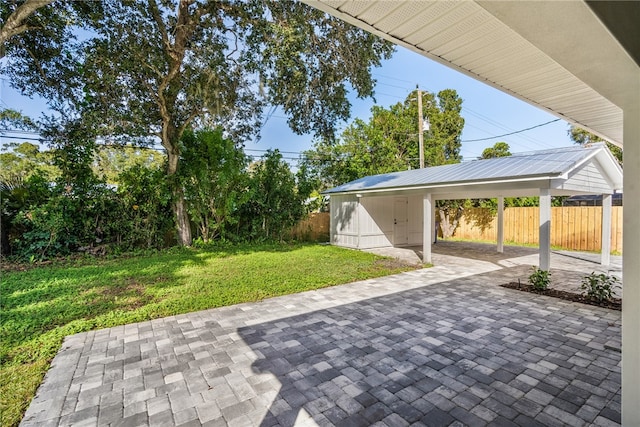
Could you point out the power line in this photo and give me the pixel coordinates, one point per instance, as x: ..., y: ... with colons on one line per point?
x: 504, y: 128
x: 511, y: 133
x: 28, y: 132
x: 22, y: 138
x: 388, y: 94
x: 298, y: 153
x: 391, y: 78
x: 478, y: 115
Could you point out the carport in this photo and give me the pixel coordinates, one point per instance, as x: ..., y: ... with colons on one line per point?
x: 398, y: 209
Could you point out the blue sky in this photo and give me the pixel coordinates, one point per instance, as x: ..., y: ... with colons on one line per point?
x: 487, y: 111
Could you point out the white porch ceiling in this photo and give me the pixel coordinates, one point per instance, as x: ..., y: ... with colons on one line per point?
x: 582, y: 75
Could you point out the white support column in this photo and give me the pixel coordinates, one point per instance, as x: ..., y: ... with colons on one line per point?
x: 358, y: 215
x: 436, y: 219
x: 605, y: 248
x: 545, y: 229
x: 631, y: 265
x: 500, y: 224
x: 427, y: 227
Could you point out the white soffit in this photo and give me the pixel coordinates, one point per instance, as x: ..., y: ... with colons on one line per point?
x: 464, y: 35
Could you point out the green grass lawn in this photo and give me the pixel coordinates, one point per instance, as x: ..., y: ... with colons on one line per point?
x: 40, y: 306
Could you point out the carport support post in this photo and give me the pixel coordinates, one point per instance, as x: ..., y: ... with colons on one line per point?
x: 500, y: 224
x: 427, y: 233
x: 605, y: 248
x: 358, y: 215
x: 545, y: 229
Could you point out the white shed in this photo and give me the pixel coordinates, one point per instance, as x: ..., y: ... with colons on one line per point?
x: 392, y: 209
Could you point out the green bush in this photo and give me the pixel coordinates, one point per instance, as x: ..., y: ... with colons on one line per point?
x: 599, y: 287
x: 60, y: 219
x: 540, y: 279
x: 275, y: 204
x: 69, y: 219
x: 15, y: 196
x: 144, y: 217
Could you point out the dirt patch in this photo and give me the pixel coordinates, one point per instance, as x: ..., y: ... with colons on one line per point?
x: 394, y: 263
x: 130, y: 296
x: 132, y: 288
x: 613, y: 304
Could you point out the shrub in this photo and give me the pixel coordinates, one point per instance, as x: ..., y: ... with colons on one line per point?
x: 599, y: 287
x: 71, y: 218
x: 145, y: 210
x: 540, y: 279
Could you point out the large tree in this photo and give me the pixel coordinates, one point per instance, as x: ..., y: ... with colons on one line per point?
x: 583, y: 137
x: 388, y: 142
x: 149, y: 69
x: 499, y: 149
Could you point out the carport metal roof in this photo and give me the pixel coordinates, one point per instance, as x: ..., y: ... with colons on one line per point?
x: 564, y: 171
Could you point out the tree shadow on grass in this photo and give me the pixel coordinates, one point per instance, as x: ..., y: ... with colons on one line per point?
x: 39, y: 300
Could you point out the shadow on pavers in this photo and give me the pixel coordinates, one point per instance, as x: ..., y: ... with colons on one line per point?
x: 434, y: 355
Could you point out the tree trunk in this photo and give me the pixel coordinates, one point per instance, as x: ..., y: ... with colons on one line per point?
x: 183, y: 225
x: 448, y: 225
x: 182, y: 218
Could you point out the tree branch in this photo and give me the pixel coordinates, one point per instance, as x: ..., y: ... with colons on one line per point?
x: 36, y: 62
x: 15, y: 24
x: 155, y: 13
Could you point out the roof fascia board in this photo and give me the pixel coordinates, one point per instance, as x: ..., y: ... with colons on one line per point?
x: 529, y: 182
x: 605, y: 171
x: 606, y: 164
x: 610, y: 168
x: 581, y: 163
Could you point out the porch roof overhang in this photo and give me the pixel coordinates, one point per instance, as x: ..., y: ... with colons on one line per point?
x: 518, y: 175
x: 559, y: 56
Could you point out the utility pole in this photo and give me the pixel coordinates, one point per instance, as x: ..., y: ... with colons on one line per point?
x: 420, y: 130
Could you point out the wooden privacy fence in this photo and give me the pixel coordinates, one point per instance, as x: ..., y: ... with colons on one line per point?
x: 314, y: 228
x: 572, y: 227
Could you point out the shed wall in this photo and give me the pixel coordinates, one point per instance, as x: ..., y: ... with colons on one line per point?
x: 344, y: 221
x: 416, y: 217
x: 368, y: 222
x: 376, y: 227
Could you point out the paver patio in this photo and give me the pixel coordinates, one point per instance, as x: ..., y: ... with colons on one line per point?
x: 438, y: 346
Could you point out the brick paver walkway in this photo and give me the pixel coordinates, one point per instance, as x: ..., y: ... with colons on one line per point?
x: 439, y: 346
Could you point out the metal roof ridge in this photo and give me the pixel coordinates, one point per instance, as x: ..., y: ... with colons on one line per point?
x: 549, y: 162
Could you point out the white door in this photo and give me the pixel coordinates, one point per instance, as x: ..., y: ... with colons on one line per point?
x: 400, y: 220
